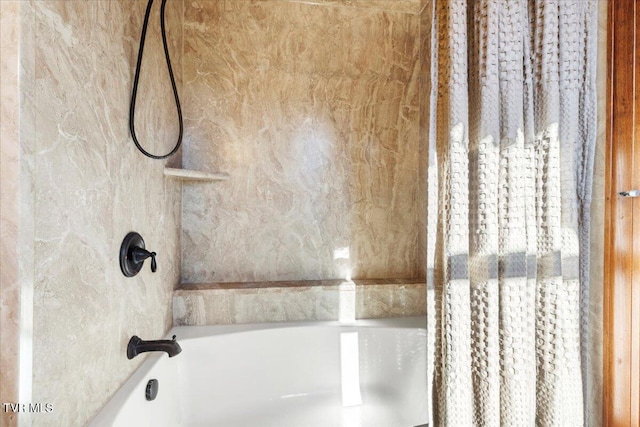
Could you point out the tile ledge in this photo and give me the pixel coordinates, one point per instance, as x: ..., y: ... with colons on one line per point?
x: 295, y: 284
x: 192, y: 175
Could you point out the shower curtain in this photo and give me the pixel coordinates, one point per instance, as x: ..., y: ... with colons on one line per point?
x: 513, y: 113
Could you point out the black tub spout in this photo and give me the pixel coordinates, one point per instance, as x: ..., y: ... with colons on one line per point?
x: 137, y: 346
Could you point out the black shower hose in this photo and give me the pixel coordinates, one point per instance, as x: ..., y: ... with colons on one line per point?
x: 132, y: 109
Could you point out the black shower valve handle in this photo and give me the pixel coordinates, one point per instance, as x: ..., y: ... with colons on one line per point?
x: 133, y: 254
x: 140, y: 254
x: 154, y: 265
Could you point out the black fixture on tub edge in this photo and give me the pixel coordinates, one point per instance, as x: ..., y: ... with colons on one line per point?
x: 137, y: 346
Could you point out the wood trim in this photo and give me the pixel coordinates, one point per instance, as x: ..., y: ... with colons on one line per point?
x: 621, y: 393
x: 635, y: 235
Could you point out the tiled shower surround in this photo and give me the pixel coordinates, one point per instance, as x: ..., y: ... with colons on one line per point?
x: 317, y: 110
x: 76, y: 186
x: 9, y: 208
x: 313, y: 108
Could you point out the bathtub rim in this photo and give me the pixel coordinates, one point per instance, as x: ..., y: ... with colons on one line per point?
x: 189, y: 332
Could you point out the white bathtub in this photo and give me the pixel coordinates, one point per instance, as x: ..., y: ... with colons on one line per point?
x: 311, y: 374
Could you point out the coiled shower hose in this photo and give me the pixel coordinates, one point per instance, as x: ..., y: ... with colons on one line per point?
x: 132, y: 109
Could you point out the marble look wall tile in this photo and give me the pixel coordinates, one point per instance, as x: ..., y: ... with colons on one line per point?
x: 211, y: 304
x: 406, y: 6
x: 9, y: 207
x: 203, y: 308
x: 390, y: 300
x: 91, y: 188
x: 275, y: 305
x: 262, y: 285
x: 9, y: 175
x: 255, y: 305
x: 313, y: 111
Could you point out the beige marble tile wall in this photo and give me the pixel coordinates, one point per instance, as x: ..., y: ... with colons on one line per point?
x: 90, y: 188
x: 9, y: 207
x: 231, y: 303
x: 407, y: 6
x: 313, y: 109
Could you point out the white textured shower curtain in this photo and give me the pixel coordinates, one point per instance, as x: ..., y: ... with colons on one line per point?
x: 511, y: 156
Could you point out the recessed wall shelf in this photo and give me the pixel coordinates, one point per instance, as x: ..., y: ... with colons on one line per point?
x: 191, y: 175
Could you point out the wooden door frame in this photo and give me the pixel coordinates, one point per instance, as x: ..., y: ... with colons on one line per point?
x: 621, y: 343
